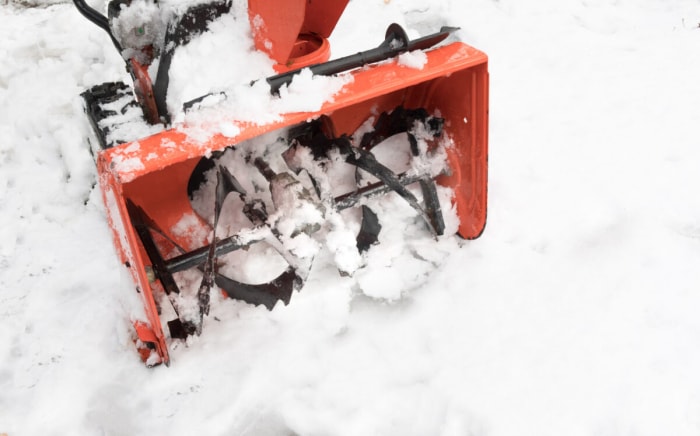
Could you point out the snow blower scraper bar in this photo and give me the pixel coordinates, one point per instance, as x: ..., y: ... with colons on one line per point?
x: 186, y: 214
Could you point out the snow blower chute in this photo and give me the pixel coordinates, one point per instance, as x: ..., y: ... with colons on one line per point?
x: 166, y: 192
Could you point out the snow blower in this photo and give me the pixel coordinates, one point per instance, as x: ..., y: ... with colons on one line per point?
x: 285, y: 180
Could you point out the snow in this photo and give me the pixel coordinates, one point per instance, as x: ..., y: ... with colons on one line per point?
x: 415, y: 59
x: 575, y: 313
x: 138, y: 27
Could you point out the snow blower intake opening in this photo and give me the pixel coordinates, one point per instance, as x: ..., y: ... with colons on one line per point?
x: 277, y: 199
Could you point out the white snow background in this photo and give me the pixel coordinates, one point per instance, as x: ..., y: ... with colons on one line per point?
x: 575, y: 313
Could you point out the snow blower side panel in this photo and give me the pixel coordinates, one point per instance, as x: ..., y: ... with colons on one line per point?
x: 145, y: 183
x: 151, y: 342
x: 466, y: 115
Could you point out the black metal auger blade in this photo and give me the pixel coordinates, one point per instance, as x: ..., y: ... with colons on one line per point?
x: 432, y: 209
x: 225, y: 184
x: 365, y: 160
x: 142, y: 225
x: 403, y: 120
x: 369, y: 229
x: 318, y: 137
x: 397, y: 121
x: 431, y: 201
x: 199, y: 173
x: 267, y: 294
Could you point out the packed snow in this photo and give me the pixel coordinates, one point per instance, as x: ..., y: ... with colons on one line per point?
x: 575, y: 313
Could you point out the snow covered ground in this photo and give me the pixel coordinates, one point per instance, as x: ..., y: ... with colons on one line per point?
x: 576, y: 312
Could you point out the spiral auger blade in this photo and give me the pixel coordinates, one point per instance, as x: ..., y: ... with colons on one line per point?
x: 318, y: 136
x: 289, y: 195
x: 269, y: 293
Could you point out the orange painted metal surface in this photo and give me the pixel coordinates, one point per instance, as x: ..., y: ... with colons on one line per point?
x: 308, y: 49
x: 154, y: 173
x: 294, y: 32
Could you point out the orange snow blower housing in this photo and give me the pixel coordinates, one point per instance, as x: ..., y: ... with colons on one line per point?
x: 148, y: 184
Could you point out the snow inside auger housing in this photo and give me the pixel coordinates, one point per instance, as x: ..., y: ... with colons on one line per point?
x: 186, y: 209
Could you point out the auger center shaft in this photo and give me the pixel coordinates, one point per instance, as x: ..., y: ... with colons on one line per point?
x: 236, y: 242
